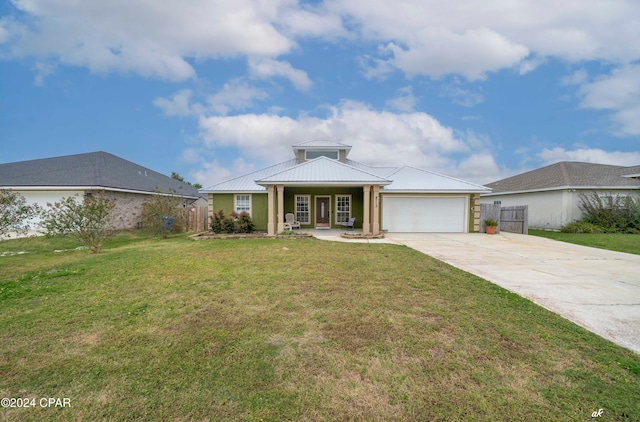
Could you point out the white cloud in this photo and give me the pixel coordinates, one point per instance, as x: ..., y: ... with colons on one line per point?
x: 42, y: 70
x: 578, y: 77
x: 405, y: 101
x: 178, y: 105
x: 461, y: 96
x: 377, y: 137
x: 591, y: 155
x: 264, y: 68
x: 235, y: 95
x: 618, y: 92
x: 419, y: 37
x: 214, y: 172
x: 149, y: 38
x: 472, y: 53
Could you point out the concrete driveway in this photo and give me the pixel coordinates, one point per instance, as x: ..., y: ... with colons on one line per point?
x: 597, y: 289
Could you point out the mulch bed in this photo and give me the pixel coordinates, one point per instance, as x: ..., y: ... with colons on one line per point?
x: 209, y: 235
x: 361, y: 236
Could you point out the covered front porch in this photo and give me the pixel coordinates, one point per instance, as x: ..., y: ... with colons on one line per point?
x: 324, y: 207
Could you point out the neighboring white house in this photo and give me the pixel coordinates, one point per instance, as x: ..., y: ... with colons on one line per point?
x: 552, y: 193
x: 48, y: 180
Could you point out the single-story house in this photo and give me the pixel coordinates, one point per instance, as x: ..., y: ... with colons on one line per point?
x: 323, y: 188
x: 552, y: 193
x: 128, y: 184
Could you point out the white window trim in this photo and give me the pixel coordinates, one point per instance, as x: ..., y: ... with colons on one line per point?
x: 295, y: 211
x: 235, y: 202
x: 350, y: 206
x: 328, y: 151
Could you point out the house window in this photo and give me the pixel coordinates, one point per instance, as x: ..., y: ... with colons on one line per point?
x: 243, y: 203
x: 343, y: 208
x: 310, y: 155
x: 302, y: 209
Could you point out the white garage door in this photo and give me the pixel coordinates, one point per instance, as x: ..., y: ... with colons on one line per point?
x: 424, y: 214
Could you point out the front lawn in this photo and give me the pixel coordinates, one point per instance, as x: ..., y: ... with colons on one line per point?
x: 620, y: 242
x: 288, y: 329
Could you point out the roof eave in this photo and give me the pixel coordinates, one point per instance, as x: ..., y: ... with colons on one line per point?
x: 559, y: 188
x: 321, y: 183
x: 105, y: 188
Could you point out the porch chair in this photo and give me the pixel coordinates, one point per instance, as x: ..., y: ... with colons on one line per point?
x: 290, y: 222
x: 348, y: 224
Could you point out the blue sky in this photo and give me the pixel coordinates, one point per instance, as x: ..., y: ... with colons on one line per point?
x: 216, y: 88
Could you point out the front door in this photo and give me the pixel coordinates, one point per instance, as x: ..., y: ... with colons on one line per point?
x: 323, y: 211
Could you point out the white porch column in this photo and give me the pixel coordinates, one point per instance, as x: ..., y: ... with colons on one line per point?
x: 376, y: 210
x: 280, y: 208
x: 271, y: 227
x: 366, y: 209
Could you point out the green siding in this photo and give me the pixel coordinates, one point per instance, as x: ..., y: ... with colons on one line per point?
x: 260, y: 209
x: 356, y: 202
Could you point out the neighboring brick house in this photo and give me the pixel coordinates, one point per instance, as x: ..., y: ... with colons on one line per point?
x: 48, y: 180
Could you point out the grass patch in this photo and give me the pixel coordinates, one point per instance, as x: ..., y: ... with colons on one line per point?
x: 281, y: 329
x: 619, y: 242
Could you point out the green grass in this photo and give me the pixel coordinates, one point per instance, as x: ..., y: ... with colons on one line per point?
x: 288, y: 329
x: 619, y: 242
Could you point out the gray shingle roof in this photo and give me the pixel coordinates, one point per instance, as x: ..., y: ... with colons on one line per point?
x: 95, y: 170
x: 569, y: 174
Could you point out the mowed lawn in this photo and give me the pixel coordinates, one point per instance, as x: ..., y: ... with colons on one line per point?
x: 619, y: 242
x: 288, y: 329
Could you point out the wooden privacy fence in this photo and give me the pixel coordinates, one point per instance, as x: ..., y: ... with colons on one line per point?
x: 197, y: 219
x: 515, y: 219
x: 510, y: 219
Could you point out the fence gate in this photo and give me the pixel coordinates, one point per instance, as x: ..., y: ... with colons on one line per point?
x: 515, y: 219
x: 197, y: 219
x: 510, y: 219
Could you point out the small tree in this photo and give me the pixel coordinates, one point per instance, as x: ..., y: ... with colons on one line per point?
x: 15, y: 214
x: 86, y: 220
x: 163, y: 214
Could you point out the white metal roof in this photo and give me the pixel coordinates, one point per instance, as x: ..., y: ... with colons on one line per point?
x: 411, y: 179
x: 247, y: 182
x: 321, y: 145
x: 323, y: 171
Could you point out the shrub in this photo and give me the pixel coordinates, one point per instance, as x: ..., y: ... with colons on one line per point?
x: 15, y: 213
x: 581, y: 227
x: 489, y: 222
x: 159, y: 210
x: 216, y: 221
x: 613, y: 213
x: 233, y: 223
x: 86, y: 220
x: 245, y: 223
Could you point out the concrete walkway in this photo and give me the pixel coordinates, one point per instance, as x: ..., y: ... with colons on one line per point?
x: 595, y: 288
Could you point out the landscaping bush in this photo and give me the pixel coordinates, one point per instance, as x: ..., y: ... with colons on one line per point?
x: 233, y: 223
x: 216, y: 221
x: 612, y: 213
x: 245, y: 223
x: 581, y: 227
